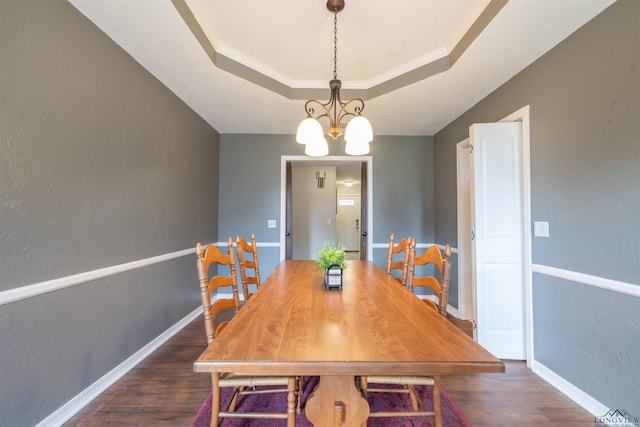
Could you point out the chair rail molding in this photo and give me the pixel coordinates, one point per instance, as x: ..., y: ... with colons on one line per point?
x: 587, y: 279
x: 28, y: 291
x: 418, y: 245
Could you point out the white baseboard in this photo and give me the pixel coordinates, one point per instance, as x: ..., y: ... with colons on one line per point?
x: 590, y: 404
x: 73, y: 406
x: 453, y: 311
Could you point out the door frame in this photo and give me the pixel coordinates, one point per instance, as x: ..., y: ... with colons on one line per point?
x: 466, y: 294
x: 366, y: 197
x: 521, y: 115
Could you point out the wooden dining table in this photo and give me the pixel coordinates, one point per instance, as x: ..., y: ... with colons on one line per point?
x: 293, y: 325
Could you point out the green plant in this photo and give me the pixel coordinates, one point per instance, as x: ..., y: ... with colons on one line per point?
x: 331, y: 254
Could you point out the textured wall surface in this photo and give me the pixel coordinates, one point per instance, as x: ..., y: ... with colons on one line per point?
x: 403, y: 184
x: 611, y: 347
x: 584, y: 98
x: 100, y: 165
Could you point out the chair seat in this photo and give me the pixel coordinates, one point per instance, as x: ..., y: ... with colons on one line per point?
x: 399, y: 380
x: 232, y: 379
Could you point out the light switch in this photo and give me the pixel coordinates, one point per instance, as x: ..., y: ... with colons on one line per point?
x: 541, y: 228
x: 328, y: 221
x: 271, y: 223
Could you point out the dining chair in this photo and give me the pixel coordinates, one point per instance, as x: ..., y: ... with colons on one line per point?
x: 248, y: 260
x: 407, y: 383
x: 241, y: 384
x: 398, y: 260
x: 209, y: 286
x: 439, y: 285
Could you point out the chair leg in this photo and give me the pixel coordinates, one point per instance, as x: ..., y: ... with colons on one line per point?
x: 435, y: 400
x: 363, y: 386
x: 234, y: 399
x: 215, y: 399
x: 299, y: 392
x: 291, y: 401
x: 414, y: 398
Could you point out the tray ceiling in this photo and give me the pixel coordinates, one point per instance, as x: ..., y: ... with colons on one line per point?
x: 246, y: 66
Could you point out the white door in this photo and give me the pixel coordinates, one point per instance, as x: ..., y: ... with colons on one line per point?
x: 497, y: 249
x: 348, y: 222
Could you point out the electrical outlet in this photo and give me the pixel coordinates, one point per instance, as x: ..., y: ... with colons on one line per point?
x: 541, y: 228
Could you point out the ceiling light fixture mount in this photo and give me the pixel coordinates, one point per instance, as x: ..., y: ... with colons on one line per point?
x: 358, y: 133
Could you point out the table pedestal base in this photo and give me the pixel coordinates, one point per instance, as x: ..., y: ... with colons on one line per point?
x: 337, y: 402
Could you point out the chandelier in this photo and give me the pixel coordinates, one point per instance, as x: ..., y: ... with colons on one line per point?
x: 358, y: 133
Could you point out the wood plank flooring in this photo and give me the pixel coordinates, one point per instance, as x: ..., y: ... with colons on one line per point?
x: 163, y: 390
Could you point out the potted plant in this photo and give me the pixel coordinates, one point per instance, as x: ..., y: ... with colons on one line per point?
x: 331, y: 259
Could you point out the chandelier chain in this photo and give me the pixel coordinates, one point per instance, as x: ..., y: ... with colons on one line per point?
x: 358, y: 132
x: 335, y: 43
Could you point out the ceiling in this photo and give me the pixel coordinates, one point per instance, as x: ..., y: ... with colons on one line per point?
x: 247, y: 66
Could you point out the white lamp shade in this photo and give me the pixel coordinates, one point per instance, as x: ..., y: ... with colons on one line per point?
x: 308, y: 130
x: 356, y: 148
x: 317, y: 147
x: 358, y: 135
x: 358, y: 130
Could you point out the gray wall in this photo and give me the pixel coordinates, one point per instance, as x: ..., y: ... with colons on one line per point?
x: 313, y: 209
x: 585, y: 173
x: 100, y: 165
x: 250, y: 183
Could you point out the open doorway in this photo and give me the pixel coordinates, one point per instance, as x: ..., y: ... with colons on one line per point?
x: 306, y: 219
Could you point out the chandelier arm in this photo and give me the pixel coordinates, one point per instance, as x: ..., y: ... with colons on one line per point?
x: 308, y: 107
x: 353, y: 108
x: 356, y: 103
x: 327, y: 107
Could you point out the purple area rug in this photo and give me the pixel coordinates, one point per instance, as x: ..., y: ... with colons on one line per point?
x: 451, y: 415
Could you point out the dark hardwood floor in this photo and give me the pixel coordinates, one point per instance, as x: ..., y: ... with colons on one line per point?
x: 163, y: 390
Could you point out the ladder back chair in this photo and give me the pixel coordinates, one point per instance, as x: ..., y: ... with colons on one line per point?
x: 440, y: 287
x: 208, y: 286
x: 398, y: 260
x: 248, y: 260
x: 408, y: 383
x: 241, y: 384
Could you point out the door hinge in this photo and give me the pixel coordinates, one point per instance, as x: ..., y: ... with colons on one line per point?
x: 473, y: 235
x: 470, y: 148
x: 475, y: 325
